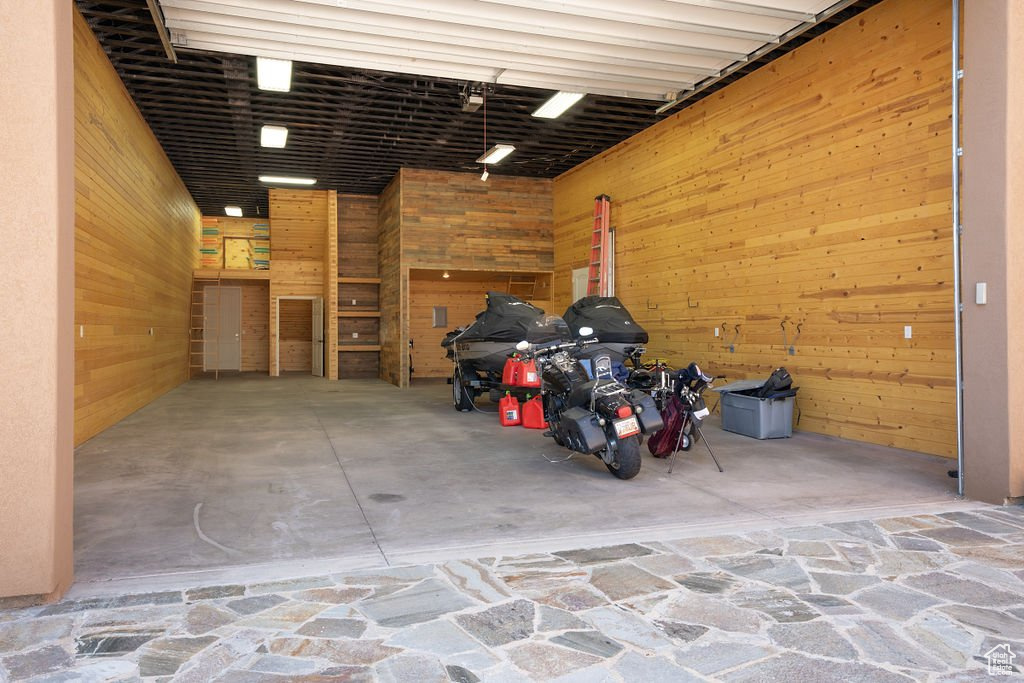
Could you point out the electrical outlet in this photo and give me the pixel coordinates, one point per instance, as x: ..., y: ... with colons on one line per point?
x: 353, y: 302
x: 355, y: 335
x: 716, y: 331
x: 908, y: 332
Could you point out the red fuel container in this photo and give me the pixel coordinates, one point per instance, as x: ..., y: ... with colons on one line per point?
x: 528, y: 375
x: 533, y: 414
x: 510, y: 373
x: 508, y: 411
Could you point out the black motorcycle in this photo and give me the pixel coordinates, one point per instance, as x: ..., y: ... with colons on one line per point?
x: 598, y: 414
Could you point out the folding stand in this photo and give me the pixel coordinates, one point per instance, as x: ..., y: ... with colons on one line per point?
x: 679, y: 440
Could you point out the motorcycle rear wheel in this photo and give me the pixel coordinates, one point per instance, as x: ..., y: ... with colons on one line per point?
x: 627, y: 459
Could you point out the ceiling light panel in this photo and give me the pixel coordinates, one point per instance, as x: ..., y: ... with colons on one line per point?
x: 496, y: 154
x: 274, y: 74
x: 286, y: 180
x: 235, y: 211
x: 558, y: 104
x: 273, y: 136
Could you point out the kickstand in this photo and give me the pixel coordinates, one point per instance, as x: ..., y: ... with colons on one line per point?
x: 706, y: 445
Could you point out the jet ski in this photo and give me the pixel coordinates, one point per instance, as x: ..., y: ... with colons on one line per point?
x: 483, y: 346
x: 618, y: 334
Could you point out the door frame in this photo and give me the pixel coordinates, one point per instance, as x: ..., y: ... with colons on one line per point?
x: 206, y: 341
x: 277, y: 327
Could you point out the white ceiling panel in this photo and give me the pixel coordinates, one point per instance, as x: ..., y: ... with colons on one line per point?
x: 645, y: 49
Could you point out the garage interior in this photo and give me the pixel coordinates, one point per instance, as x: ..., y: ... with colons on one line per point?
x: 270, y: 388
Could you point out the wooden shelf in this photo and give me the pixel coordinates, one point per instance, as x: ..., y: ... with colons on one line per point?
x: 345, y: 348
x: 230, y: 274
x: 359, y: 280
x: 358, y: 314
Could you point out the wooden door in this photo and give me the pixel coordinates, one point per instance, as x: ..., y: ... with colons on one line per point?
x: 222, y: 322
x: 318, y: 337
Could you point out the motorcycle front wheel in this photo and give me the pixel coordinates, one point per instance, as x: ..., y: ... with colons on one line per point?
x: 627, y: 459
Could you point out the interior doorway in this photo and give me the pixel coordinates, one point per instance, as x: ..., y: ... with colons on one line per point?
x: 222, y: 328
x: 299, y: 329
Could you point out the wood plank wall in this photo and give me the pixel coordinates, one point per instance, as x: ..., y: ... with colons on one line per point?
x: 357, y: 235
x: 299, y: 225
x: 255, y: 327
x: 814, y: 192
x: 394, y: 283
x: 463, y: 299
x: 456, y: 220
x: 330, y: 288
x: 437, y: 219
x: 136, y: 244
x: 357, y: 257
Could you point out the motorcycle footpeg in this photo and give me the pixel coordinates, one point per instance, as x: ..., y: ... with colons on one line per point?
x: 549, y: 432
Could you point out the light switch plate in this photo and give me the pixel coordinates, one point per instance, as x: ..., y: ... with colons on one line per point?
x: 908, y: 332
x: 716, y: 331
x: 981, y: 293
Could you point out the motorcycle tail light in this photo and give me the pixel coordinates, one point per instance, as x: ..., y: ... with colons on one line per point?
x: 624, y: 411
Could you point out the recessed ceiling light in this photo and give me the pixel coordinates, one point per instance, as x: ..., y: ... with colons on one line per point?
x: 558, y: 104
x: 235, y: 211
x: 496, y: 154
x: 274, y: 74
x: 286, y: 180
x: 273, y: 136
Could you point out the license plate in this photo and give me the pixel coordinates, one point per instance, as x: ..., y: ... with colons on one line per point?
x: 701, y: 414
x: 626, y: 427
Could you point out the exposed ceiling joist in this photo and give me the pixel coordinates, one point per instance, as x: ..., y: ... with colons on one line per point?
x: 353, y: 126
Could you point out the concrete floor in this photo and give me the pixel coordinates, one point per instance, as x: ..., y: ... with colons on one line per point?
x: 265, y: 472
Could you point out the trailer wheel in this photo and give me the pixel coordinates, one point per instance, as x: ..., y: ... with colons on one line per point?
x: 461, y: 398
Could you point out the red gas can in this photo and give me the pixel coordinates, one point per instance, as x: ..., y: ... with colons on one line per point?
x: 510, y: 374
x: 508, y: 411
x: 528, y: 375
x: 533, y: 414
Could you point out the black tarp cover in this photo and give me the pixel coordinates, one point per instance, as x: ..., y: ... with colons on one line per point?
x: 609, y: 319
x: 508, y: 318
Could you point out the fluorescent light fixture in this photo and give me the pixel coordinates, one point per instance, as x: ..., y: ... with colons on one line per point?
x: 273, y: 136
x: 496, y: 154
x: 286, y: 180
x: 558, y: 104
x: 483, y: 176
x: 235, y: 211
x: 274, y: 74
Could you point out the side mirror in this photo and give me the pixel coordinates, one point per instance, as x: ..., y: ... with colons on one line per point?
x: 523, y: 346
x: 586, y: 331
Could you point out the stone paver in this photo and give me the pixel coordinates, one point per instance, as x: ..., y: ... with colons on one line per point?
x: 900, y: 599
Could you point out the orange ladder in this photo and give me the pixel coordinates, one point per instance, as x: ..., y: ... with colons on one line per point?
x: 598, y: 281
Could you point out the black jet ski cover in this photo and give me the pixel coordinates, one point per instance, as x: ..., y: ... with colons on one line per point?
x: 510, y: 319
x: 609, y: 319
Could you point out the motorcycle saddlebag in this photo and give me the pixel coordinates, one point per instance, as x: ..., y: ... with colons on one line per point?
x: 581, y: 431
x: 650, y: 419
